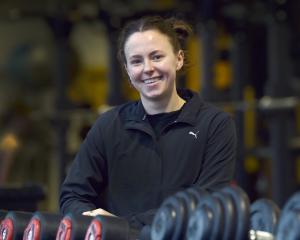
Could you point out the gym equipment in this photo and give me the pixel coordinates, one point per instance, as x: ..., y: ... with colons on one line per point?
x: 222, y: 215
x: 289, y: 226
x: 264, y: 219
x: 264, y: 216
x: 228, y: 215
x: 241, y: 206
x: 13, y: 225
x: 73, y: 227
x: 171, y: 219
x: 293, y: 203
x: 196, y: 194
x: 289, y: 222
x: 42, y: 226
x: 110, y: 228
x: 206, y: 222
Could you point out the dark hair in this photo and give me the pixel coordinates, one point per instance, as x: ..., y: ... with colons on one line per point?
x: 177, y: 31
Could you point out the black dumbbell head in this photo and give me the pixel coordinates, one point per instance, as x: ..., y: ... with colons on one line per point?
x: 264, y: 215
x: 42, y: 226
x: 289, y: 225
x: 109, y: 228
x: 199, y: 224
x: 73, y: 227
x: 197, y: 193
x: 189, y: 202
x: 94, y: 231
x: 229, y: 215
x: 13, y: 225
x: 206, y: 221
x: 169, y: 220
x: 241, y: 205
x: 292, y: 203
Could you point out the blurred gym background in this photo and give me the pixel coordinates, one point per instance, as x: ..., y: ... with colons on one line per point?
x: 59, y: 71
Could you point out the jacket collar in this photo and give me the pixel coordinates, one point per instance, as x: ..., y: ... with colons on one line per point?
x: 191, y: 108
x: 189, y: 112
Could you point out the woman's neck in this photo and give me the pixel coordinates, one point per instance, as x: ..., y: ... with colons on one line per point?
x: 170, y: 104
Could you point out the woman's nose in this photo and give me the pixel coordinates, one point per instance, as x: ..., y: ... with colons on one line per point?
x: 148, y: 66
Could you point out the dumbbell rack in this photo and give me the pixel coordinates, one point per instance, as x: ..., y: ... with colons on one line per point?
x: 192, y: 214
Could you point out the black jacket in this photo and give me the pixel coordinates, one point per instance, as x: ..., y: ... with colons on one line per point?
x: 124, y: 168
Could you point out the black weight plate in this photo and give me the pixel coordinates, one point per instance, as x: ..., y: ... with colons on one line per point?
x: 114, y: 228
x: 73, y: 227
x: 168, y: 221
x: 163, y: 223
x: 289, y: 225
x: 264, y: 215
x: 206, y: 222
x: 19, y: 221
x: 189, y: 202
x: 292, y: 203
x: 64, y: 230
x: 33, y: 230
x: 94, y: 230
x: 49, y: 223
x: 189, y: 207
x: 242, y: 210
x: 6, y: 229
x: 200, y: 224
x: 229, y: 216
x: 198, y: 193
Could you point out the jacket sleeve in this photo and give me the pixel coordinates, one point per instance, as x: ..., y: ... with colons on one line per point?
x: 220, y: 153
x: 86, y: 177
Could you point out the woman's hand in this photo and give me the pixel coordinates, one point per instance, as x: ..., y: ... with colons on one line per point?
x: 98, y: 211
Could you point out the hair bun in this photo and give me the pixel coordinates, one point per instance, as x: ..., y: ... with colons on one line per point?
x: 182, y: 30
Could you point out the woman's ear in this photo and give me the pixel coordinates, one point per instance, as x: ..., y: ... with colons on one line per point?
x: 129, y: 77
x: 125, y: 67
x: 180, y: 60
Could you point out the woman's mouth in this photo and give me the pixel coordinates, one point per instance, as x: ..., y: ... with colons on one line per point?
x: 152, y: 80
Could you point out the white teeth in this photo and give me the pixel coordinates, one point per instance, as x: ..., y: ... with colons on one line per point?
x: 152, y: 80
x: 149, y: 81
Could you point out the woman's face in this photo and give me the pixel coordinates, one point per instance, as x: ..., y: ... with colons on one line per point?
x: 152, y: 64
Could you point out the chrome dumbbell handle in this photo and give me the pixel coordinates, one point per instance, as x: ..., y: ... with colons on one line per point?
x: 260, y: 235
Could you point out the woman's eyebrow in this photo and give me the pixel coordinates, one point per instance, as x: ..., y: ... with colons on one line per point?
x: 134, y: 56
x: 155, y: 52
x: 139, y: 55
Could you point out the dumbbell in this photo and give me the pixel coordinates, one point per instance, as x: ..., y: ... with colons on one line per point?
x: 264, y: 219
x: 271, y: 226
x: 227, y: 215
x: 206, y: 221
x: 222, y: 215
x: 13, y: 225
x: 73, y: 227
x: 289, y: 223
x: 110, y: 228
x: 170, y: 221
x: 42, y: 226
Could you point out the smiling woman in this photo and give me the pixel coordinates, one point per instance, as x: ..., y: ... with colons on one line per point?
x: 151, y: 64
x: 139, y: 153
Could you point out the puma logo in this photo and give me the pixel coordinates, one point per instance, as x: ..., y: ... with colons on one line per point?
x: 194, y: 134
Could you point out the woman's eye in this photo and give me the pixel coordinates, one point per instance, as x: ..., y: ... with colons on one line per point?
x: 157, y: 57
x: 135, y: 62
